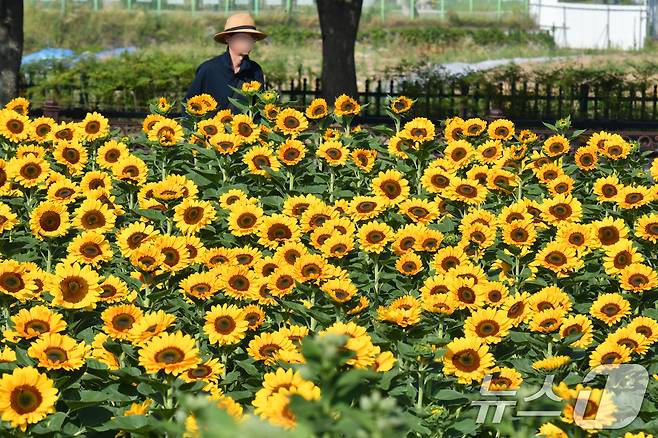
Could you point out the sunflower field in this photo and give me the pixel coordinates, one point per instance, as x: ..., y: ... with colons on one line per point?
x: 284, y: 271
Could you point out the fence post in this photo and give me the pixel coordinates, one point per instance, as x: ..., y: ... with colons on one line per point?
x: 193, y: 6
x: 95, y: 5
x: 499, y: 9
x: 412, y: 8
x: 158, y: 6
x: 443, y: 9
x: 62, y: 6
x: 382, y: 9
x: 256, y: 7
x: 130, y: 4
x: 226, y: 7
x: 51, y: 109
x: 584, y: 93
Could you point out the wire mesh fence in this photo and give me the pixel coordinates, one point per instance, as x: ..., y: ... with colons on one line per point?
x: 385, y: 8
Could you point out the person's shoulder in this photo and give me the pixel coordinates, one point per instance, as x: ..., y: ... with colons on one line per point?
x: 210, y: 63
x: 256, y: 66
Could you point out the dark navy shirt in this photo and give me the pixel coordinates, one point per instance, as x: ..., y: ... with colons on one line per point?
x: 216, y: 74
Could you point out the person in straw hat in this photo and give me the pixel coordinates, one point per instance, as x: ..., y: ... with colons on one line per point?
x: 232, y: 68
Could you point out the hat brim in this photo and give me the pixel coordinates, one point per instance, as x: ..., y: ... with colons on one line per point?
x: 220, y: 37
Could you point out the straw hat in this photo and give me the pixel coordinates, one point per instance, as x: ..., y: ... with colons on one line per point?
x: 240, y: 22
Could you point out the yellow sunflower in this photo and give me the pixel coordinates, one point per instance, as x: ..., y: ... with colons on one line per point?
x: 521, y: 233
x: 166, y: 132
x: 173, y: 353
x: 64, y: 191
x: 291, y: 122
x: 317, y: 109
x: 259, y: 157
x: 119, y: 320
x: 403, y: 311
x: 609, y: 231
x: 26, y: 397
x: 277, y: 229
x: 225, y: 324
x: 608, y: 353
x: 419, y: 130
x: 489, y: 152
x: 551, y: 363
x: 94, y: 215
x: 225, y: 143
x: 50, y: 219
x: 31, y: 323
x: 501, y: 129
x: 266, y: 346
x: 646, y: 227
x: 400, y: 104
x: 334, y: 152
x: 637, y: 277
x: 74, y: 286
x: 14, y: 126
x: 19, y: 104
x: 635, y: 196
x: 557, y: 258
x: 374, y: 236
x: 489, y: 325
x: 89, y: 247
x: 191, y: 215
x: 210, y: 371
x: 556, y: 145
x: 610, y: 308
x: 562, y: 208
x: 149, y: 325
x: 468, y: 359
x: 346, y: 106
x: 364, y: 159
x: 458, y: 153
x: 131, y: 169
x: 243, y: 126
x: 578, y: 325
x: 54, y: 351
x: 291, y: 152
x: 586, y: 158
x: 436, y: 179
x: 28, y: 171
x: 391, y: 185
x: 94, y: 126
x: 607, y: 188
x: 467, y: 191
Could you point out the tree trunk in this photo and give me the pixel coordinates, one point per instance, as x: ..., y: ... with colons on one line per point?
x: 339, y: 22
x: 11, y: 48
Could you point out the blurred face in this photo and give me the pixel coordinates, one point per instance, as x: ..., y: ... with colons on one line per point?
x: 241, y: 43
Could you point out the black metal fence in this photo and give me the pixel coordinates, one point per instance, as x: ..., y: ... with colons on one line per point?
x: 523, y: 101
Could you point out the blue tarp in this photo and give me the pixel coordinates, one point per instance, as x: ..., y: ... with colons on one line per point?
x: 56, y: 54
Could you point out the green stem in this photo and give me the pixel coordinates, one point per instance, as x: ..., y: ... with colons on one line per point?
x: 5, y: 312
x: 418, y: 174
x: 313, y: 321
x: 221, y: 167
x: 421, y: 387
x: 291, y: 180
x: 49, y: 257
x: 169, y: 397
x: 164, y: 164
x: 332, y: 180
x: 517, y: 273
x: 376, y: 263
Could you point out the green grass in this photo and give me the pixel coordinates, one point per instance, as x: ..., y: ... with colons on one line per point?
x: 293, y: 50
